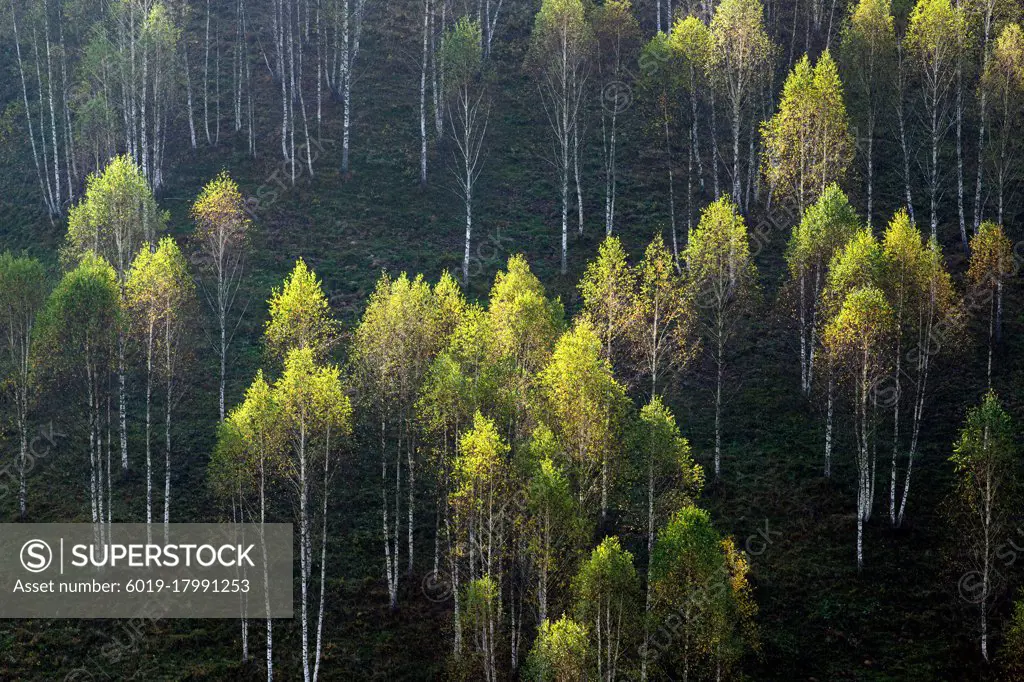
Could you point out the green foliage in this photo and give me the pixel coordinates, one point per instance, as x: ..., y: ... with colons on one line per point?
x: 741, y: 51
x: 690, y: 42
x: 617, y: 37
x: 560, y: 34
x: 608, y: 289
x: 524, y: 322
x: 227, y: 476
x: 861, y: 328
x: 250, y: 444
x: 807, y: 143
x: 312, y: 403
x: 1012, y: 653
x: 667, y: 457
x: 722, y: 274
x: 867, y: 57
x: 23, y: 291
x: 220, y: 217
x: 159, y: 291
x: 461, y: 54
x: 991, y: 256
x: 660, y: 76
x: 936, y: 31
x: 607, y: 591
x: 117, y: 213
x: 857, y: 265
x: 916, y: 282
x: 559, y: 653
x: 555, y: 526
x: 825, y: 228
x: 688, y: 587
x: 985, y: 460
x: 480, y: 489
x: 300, y: 316
x: 480, y: 601
x: 585, y: 403
x: 480, y: 470
x: 661, y: 324
x: 78, y: 325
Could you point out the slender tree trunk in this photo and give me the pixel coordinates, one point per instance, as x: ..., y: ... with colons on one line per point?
x: 901, y: 116
x: 871, y: 165
x: 719, y: 362
x: 188, y: 95
x: 167, y: 440
x: 828, y: 428
x: 423, y: 93
x: 933, y: 170
x: 576, y: 172
x: 122, y: 402
x: 149, y: 459
x: 206, y: 78
x: 960, y: 146
x: 736, y: 188
x: 982, y: 115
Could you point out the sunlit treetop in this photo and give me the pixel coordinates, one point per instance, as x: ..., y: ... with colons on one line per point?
x: 300, y: 316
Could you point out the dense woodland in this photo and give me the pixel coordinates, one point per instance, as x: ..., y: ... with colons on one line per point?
x: 578, y: 340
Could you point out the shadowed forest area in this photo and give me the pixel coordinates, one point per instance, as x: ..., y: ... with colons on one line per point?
x: 578, y: 340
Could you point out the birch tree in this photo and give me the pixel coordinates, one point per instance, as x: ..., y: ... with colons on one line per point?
x: 252, y: 441
x: 481, y: 602
x: 395, y: 344
x: 77, y: 338
x: 991, y: 263
x: 661, y: 323
x: 556, y: 529
x: 857, y: 264
x: 608, y: 290
x: 300, y: 316
x: 617, y: 42
x: 807, y: 143
x: 222, y: 232
x: 345, y: 31
x: 228, y: 480
x: 935, y: 34
x: 740, y: 58
x: 1001, y: 92
x: 988, y: 10
x: 177, y: 303
x: 722, y: 280
x: 984, y: 460
x: 659, y: 84
x: 140, y: 38
x: 857, y: 337
x: 673, y: 481
x: 479, y: 497
x: 468, y: 114
x: 159, y: 294
x: 585, y: 403
x: 47, y: 147
x: 687, y: 581
x: 117, y: 213
x: 867, y: 60
x: 920, y: 292
x: 559, y: 653
x: 607, y: 593
x: 316, y: 415
x: 559, y: 57
x: 824, y: 229
x: 524, y: 326
x: 23, y: 292
x: 690, y: 42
